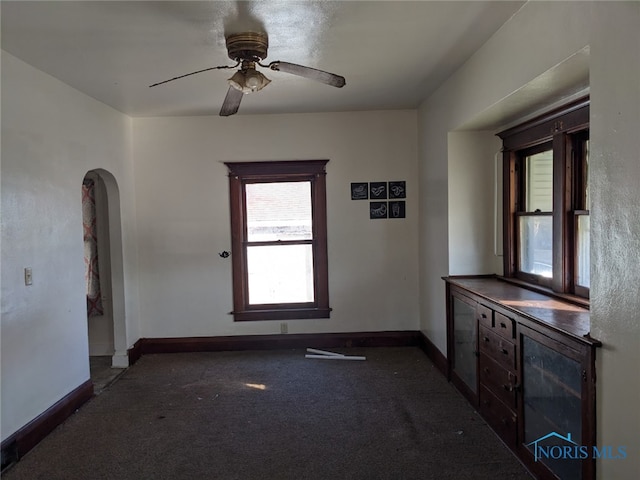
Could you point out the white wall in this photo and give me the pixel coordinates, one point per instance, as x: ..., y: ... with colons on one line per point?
x: 538, y: 38
x: 614, y: 166
x: 472, y: 178
x: 183, y: 218
x: 51, y: 136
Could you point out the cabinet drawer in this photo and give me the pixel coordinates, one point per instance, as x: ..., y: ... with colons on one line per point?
x: 504, y: 326
x: 498, y: 348
x: 499, y: 380
x: 484, y: 315
x: 500, y: 417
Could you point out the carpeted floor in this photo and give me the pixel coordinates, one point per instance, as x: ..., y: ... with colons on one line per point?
x: 102, y: 373
x: 274, y: 415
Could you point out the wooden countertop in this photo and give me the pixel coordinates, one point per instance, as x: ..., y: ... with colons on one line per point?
x: 552, y: 312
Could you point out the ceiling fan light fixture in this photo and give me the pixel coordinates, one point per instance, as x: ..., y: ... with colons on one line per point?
x: 255, y: 80
x: 248, y: 81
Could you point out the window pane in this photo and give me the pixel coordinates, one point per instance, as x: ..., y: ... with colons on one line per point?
x: 278, y: 211
x: 280, y: 274
x: 583, y: 251
x: 587, y: 199
x: 539, y: 182
x: 536, y: 240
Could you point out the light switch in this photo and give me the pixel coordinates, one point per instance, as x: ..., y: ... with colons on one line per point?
x: 28, y: 276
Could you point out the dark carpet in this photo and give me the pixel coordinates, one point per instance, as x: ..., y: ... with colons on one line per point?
x: 274, y: 415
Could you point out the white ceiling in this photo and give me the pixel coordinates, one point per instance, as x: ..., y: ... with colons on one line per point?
x: 393, y: 54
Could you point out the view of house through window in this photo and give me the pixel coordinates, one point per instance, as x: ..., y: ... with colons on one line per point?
x: 279, y: 240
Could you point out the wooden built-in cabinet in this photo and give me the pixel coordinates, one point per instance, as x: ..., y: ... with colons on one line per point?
x: 526, y: 362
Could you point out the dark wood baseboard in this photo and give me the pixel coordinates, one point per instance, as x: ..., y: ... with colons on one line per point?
x: 272, y: 342
x: 434, y: 354
x: 17, y: 445
x: 135, y: 352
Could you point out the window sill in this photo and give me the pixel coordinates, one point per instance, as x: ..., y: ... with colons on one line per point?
x: 281, y: 314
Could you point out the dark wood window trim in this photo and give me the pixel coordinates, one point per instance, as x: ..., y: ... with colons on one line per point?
x: 241, y: 173
x: 564, y: 130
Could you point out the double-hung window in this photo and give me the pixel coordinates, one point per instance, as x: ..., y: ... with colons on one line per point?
x: 279, y: 240
x: 546, y: 200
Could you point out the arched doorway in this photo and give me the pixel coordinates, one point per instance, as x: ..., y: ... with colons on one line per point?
x: 104, y: 274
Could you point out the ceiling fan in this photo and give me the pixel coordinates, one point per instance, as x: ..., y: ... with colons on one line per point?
x: 248, y: 49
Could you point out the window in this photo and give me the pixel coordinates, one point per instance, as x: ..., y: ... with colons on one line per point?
x: 546, y: 200
x: 279, y: 240
x: 535, y: 215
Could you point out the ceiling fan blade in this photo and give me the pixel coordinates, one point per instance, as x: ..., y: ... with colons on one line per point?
x: 308, y: 72
x: 231, y: 102
x: 194, y: 73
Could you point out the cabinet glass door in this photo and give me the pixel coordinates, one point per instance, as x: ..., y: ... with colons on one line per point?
x: 552, y: 397
x: 465, y: 341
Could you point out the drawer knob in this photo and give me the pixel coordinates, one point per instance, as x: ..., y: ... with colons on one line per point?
x: 486, y: 339
x: 505, y: 351
x: 483, y: 315
x: 503, y: 325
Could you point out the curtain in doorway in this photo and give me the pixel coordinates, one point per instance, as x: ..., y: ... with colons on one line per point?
x: 92, y: 275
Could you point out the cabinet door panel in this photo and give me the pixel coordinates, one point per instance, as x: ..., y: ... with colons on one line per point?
x: 552, y: 404
x: 465, y: 342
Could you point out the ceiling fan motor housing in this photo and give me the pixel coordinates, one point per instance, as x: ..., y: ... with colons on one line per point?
x: 247, y: 46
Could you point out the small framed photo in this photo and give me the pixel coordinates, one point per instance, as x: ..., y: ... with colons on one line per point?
x: 397, y: 209
x: 377, y: 210
x: 378, y: 190
x: 398, y: 189
x: 359, y: 191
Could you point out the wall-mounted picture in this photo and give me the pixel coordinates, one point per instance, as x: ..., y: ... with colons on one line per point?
x: 377, y: 210
x: 398, y: 189
x: 378, y: 190
x: 359, y: 191
x: 397, y: 209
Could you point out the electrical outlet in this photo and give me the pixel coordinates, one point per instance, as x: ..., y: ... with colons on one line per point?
x: 28, y: 276
x: 284, y: 327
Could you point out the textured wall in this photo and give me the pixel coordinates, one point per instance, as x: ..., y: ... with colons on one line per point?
x: 51, y: 136
x: 615, y: 228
